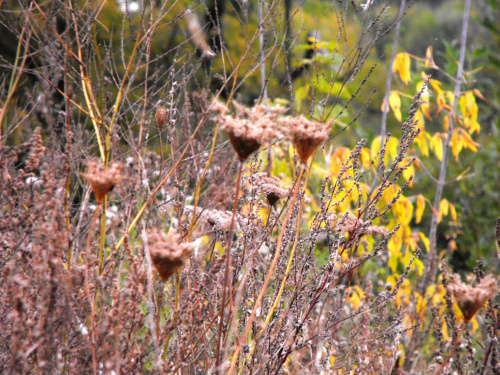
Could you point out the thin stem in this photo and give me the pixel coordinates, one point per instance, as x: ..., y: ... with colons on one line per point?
x: 226, y: 273
x: 383, y: 125
x: 455, y: 345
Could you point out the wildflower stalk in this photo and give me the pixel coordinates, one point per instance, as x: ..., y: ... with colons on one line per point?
x: 226, y: 273
x: 290, y: 260
x: 455, y: 345
x: 269, y: 273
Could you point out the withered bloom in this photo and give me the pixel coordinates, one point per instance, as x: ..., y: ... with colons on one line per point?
x: 471, y: 299
x: 349, y: 222
x: 305, y: 135
x: 161, y: 116
x: 168, y: 252
x: 270, y: 187
x: 247, y: 134
x: 102, y: 181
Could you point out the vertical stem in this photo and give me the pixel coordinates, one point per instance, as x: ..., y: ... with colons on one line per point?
x: 455, y: 345
x: 262, y: 56
x: 226, y: 273
x: 383, y: 125
x: 431, y: 261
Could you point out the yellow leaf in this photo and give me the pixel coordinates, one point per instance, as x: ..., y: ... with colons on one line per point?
x: 409, y: 172
x: 375, y: 147
x: 424, y: 107
x: 453, y: 212
x: 419, y: 120
x: 402, y: 65
x: 456, y: 143
x: 420, y: 208
x: 478, y: 94
x: 468, y: 142
x: 446, y: 123
x: 436, y: 85
x: 424, y: 239
x: 395, y: 103
x: 429, y: 60
x: 437, y: 145
x: 419, y: 265
x: 443, y: 209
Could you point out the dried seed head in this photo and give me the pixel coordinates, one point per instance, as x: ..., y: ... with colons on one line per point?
x: 270, y: 187
x: 218, y: 220
x: 470, y: 299
x: 161, y: 116
x: 248, y: 134
x: 349, y: 222
x: 168, y: 252
x: 305, y: 135
x: 102, y: 181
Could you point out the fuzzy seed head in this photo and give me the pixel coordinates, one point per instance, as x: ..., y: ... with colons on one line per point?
x: 471, y: 299
x: 305, y: 135
x: 161, y: 116
x: 270, y: 187
x: 168, y: 252
x: 250, y: 129
x: 102, y: 181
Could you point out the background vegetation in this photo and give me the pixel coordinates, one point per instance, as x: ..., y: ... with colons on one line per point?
x: 348, y: 271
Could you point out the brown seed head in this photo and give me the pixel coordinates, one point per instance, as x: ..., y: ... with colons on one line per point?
x: 248, y: 133
x: 470, y: 299
x: 161, y: 116
x: 102, y: 181
x: 168, y: 252
x: 350, y: 222
x: 305, y: 135
x: 270, y: 187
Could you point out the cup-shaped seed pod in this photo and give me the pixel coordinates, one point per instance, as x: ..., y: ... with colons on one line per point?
x: 471, y: 299
x: 248, y: 133
x: 305, y: 135
x: 102, y: 181
x: 161, y: 116
x: 168, y: 252
x: 270, y: 187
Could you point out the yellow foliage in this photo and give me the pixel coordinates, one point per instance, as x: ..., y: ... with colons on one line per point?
x: 429, y: 60
x: 424, y: 106
x: 437, y: 146
x: 420, y: 208
x: 402, y: 65
x: 425, y: 240
x: 395, y: 104
x: 456, y: 142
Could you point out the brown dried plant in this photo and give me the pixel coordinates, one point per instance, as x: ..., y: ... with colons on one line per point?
x: 250, y: 129
x: 470, y: 299
x: 168, y: 252
x: 306, y: 135
x: 102, y: 181
x: 270, y: 187
x: 161, y: 116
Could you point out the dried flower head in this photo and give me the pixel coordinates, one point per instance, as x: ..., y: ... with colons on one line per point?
x: 270, y: 187
x: 350, y: 222
x: 305, y: 135
x: 102, y: 181
x: 470, y: 299
x: 161, y: 116
x: 168, y: 252
x: 250, y: 129
x: 218, y: 220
